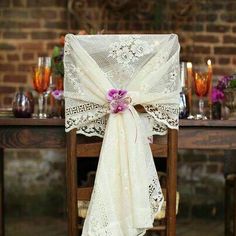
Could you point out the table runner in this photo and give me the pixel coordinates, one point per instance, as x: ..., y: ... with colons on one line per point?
x: 105, y: 76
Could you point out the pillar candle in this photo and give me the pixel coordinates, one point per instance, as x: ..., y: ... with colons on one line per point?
x: 189, y: 84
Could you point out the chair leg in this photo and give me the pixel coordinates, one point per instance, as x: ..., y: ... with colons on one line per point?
x: 171, y: 183
x: 71, y: 169
x: 227, y: 207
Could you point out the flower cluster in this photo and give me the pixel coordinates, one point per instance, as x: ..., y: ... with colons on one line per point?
x: 129, y: 49
x: 223, y: 83
x: 118, y: 100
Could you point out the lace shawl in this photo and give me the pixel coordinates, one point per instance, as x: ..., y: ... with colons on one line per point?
x: 127, y: 192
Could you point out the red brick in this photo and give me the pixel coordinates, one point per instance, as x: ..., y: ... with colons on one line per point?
x: 229, y: 39
x: 205, y: 39
x: 46, y: 3
x: 198, y: 49
x: 7, y: 67
x: 44, y: 35
x: 26, y: 67
x: 229, y: 17
x: 29, y: 24
x: 223, y: 70
x: 234, y: 61
x: 15, y: 78
x: 45, y: 14
x: 56, y: 24
x: 225, y: 50
x: 13, y: 57
x: 234, y: 29
x: 224, y: 60
x: 191, y: 27
x: 28, y: 56
x: 218, y: 28
x: 15, y: 13
x: 7, y: 101
x: 14, y: 35
x: 7, y: 89
x: 31, y: 46
x: 7, y: 46
x: 206, y: 17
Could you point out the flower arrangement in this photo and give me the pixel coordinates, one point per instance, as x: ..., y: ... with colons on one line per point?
x: 57, y: 57
x: 225, y: 82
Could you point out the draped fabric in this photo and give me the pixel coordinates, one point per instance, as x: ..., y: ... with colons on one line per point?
x: 127, y: 193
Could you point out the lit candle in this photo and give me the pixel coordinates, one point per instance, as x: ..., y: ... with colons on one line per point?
x: 210, y: 86
x: 189, y: 79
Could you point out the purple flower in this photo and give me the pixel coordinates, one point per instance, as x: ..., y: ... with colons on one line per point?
x: 223, y: 82
x: 116, y: 94
x: 118, y: 100
x: 217, y: 95
x: 57, y: 94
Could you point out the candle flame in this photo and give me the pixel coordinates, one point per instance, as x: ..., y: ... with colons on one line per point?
x: 209, y: 62
x: 189, y: 65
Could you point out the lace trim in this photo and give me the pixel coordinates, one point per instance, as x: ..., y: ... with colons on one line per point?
x: 167, y: 114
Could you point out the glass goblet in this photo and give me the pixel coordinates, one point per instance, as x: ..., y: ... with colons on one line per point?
x: 41, y: 80
x: 201, y: 82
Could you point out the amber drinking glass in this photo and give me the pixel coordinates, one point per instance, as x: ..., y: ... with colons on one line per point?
x: 201, y: 82
x: 41, y: 80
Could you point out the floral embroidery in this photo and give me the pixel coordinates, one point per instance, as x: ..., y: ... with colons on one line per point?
x: 129, y: 49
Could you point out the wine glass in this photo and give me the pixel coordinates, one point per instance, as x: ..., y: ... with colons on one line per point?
x: 201, y: 82
x: 41, y: 80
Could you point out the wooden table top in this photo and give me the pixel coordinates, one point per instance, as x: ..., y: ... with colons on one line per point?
x: 61, y: 122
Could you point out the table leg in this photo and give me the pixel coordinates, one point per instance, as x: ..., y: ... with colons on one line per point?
x: 2, y: 192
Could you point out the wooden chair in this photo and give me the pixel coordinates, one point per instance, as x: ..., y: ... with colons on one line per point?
x: 79, y: 146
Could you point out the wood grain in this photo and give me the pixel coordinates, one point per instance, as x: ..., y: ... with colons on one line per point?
x: 32, y: 137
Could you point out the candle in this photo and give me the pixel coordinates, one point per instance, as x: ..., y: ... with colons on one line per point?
x: 210, y: 86
x: 189, y: 84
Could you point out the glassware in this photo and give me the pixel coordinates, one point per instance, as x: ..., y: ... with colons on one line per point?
x: 201, y: 82
x: 41, y: 79
x: 23, y: 104
x: 183, y: 105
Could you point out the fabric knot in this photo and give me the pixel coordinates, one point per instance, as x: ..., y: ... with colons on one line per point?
x: 118, y: 100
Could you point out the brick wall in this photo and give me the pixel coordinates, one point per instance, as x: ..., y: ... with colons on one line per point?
x: 29, y: 28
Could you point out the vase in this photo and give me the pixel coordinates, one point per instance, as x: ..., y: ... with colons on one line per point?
x: 23, y: 104
x: 57, y: 108
x: 230, y: 102
x: 216, y: 111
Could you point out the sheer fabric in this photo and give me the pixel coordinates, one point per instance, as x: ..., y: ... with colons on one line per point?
x: 127, y: 192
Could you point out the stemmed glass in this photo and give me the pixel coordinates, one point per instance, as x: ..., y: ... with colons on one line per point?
x: 41, y: 80
x: 201, y: 82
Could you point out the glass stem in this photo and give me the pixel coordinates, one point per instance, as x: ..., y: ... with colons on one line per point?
x: 201, y: 107
x: 40, y: 102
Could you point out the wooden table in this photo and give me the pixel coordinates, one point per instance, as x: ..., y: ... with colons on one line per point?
x: 49, y: 133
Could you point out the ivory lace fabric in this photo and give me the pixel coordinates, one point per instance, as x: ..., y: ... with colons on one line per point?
x: 127, y: 193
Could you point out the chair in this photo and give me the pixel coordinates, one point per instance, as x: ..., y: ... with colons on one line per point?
x: 109, y: 80
x: 79, y: 146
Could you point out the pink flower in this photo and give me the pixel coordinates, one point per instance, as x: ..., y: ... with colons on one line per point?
x: 116, y: 94
x: 57, y: 94
x: 118, y: 100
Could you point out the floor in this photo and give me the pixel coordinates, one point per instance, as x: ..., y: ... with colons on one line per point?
x: 49, y: 226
